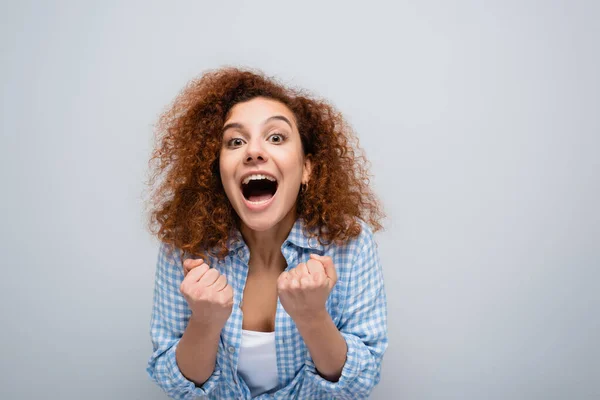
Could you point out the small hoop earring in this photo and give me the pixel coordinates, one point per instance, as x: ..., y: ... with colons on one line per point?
x: 304, y: 187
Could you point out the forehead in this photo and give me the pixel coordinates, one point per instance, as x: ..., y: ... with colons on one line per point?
x: 258, y: 110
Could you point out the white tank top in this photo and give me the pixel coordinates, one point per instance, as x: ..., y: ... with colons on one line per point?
x: 257, y: 361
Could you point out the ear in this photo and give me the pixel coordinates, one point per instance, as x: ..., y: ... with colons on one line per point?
x: 307, y: 170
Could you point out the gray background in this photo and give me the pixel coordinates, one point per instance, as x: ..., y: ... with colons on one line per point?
x: 481, y: 120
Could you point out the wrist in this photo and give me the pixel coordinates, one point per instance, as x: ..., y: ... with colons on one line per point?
x: 314, y: 320
x: 205, y: 327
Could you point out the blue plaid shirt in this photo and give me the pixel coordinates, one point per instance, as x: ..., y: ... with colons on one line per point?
x: 357, y: 305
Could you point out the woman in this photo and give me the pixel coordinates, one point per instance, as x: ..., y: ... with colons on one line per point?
x: 268, y: 281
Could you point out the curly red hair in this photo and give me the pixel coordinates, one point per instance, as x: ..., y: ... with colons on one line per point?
x: 189, y: 208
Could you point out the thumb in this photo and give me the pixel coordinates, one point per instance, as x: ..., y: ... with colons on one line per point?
x: 327, y: 265
x: 190, y: 263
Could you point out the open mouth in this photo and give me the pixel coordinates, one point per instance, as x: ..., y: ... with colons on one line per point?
x: 259, y: 188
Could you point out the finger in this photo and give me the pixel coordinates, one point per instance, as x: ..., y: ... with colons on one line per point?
x: 295, y: 283
x: 191, y: 261
x: 190, y: 264
x: 315, y: 267
x: 285, y: 275
x: 197, y: 273
x: 302, y: 269
x: 305, y: 282
x: 226, y: 295
x: 209, y: 277
x: 328, y: 266
x: 220, y: 283
x: 283, y: 280
x: 317, y: 272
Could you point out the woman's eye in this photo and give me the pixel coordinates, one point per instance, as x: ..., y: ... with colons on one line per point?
x: 235, y: 142
x: 276, y: 138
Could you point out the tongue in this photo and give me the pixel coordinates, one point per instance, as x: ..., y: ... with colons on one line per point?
x: 260, y: 197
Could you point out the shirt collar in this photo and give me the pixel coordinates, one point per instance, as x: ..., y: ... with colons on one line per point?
x: 298, y: 236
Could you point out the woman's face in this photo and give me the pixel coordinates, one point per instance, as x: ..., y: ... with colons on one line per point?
x: 261, y: 162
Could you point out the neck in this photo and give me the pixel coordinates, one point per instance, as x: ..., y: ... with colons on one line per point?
x: 265, y: 246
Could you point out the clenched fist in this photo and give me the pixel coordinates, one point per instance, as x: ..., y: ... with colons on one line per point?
x: 208, y: 295
x: 303, y: 290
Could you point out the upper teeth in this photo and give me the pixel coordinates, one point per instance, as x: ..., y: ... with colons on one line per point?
x: 257, y: 177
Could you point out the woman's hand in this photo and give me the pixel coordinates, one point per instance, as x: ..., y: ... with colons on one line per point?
x: 208, y: 295
x: 303, y: 290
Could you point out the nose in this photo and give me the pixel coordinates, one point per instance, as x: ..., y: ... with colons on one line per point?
x: 255, y: 153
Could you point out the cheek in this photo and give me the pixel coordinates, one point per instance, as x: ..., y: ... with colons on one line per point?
x: 292, y: 161
x: 226, y: 171
x: 224, y: 163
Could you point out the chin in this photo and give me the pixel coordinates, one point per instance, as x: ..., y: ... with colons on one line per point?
x: 259, y: 224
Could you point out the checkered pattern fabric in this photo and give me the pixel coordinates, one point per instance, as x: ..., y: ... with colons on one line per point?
x: 357, y: 305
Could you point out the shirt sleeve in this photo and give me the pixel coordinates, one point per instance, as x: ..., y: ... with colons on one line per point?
x: 364, y: 327
x: 170, y: 315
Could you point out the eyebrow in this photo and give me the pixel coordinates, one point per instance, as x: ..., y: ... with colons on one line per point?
x: 237, y: 125
x: 280, y: 118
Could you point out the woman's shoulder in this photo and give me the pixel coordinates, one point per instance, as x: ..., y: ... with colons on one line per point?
x: 354, y: 256
x: 353, y: 245
x: 364, y: 235
x: 174, y: 256
x: 366, y: 232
